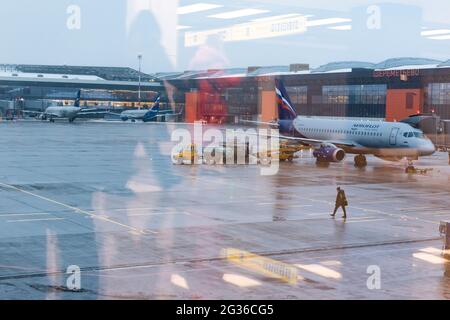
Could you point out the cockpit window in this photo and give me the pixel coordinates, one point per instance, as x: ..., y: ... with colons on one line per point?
x: 418, y: 135
x: 410, y: 135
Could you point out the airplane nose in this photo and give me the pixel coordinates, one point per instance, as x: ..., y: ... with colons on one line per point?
x: 427, y: 149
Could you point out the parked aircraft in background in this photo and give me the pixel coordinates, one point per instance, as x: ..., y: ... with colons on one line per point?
x: 145, y: 115
x: 63, y: 112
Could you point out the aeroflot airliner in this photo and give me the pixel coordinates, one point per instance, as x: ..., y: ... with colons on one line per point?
x: 64, y: 112
x: 146, y: 115
x: 333, y: 138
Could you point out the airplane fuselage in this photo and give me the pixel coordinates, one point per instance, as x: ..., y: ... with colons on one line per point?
x: 69, y: 112
x: 143, y: 114
x: 389, y: 140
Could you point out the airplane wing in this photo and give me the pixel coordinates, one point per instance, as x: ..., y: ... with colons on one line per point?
x: 92, y: 111
x: 54, y: 115
x: 319, y: 142
x: 307, y: 141
x: 260, y: 122
x: 114, y: 113
x: 168, y: 113
x: 314, y: 142
x: 32, y: 112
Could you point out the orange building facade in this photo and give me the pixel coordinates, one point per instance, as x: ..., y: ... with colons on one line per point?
x: 401, y: 103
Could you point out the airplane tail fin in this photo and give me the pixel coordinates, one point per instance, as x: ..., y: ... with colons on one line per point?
x: 78, y: 99
x: 156, y: 105
x: 286, y: 109
x: 152, y: 114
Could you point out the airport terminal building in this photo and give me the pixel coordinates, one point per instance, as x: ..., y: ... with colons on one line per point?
x: 35, y: 87
x: 391, y: 90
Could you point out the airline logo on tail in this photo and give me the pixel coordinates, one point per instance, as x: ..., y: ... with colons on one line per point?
x: 78, y: 99
x: 156, y: 104
x: 285, y: 108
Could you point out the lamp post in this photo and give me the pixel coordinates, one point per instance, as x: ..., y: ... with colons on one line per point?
x: 139, y: 92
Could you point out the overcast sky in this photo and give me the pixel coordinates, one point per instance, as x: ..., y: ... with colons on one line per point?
x: 113, y: 32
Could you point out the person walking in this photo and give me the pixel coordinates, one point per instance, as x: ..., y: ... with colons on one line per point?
x: 341, y: 202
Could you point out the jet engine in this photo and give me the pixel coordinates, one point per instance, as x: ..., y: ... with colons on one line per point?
x: 329, y: 153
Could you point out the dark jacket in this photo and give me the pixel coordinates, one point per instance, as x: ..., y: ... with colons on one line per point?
x: 341, y: 199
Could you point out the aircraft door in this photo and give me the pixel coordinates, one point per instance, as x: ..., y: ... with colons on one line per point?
x: 393, y: 136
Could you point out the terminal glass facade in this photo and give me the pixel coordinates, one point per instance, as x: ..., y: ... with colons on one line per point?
x: 439, y: 94
x: 299, y: 95
x: 242, y: 101
x: 355, y: 94
x: 438, y: 99
x: 359, y: 101
x: 100, y: 97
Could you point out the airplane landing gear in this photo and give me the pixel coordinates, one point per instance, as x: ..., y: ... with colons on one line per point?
x: 360, y: 161
x: 410, y: 168
x: 322, y: 164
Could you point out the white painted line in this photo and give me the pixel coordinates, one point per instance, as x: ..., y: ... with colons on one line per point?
x: 367, y: 220
x: 23, y: 215
x: 421, y: 208
x: 441, y: 213
x: 299, y: 206
x: 130, y: 209
x: 157, y: 214
x: 35, y: 220
x: 320, y: 214
x: 78, y: 210
x: 381, y: 201
x: 266, y: 203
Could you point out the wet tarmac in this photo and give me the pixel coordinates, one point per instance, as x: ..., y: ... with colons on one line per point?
x: 105, y: 197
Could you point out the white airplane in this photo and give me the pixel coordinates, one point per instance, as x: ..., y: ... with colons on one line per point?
x: 63, y: 112
x: 334, y: 138
x: 145, y: 115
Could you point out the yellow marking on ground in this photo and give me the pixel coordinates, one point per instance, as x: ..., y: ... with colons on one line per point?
x: 265, y: 266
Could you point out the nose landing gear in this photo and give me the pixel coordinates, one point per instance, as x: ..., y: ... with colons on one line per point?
x: 410, y: 168
x: 360, y: 161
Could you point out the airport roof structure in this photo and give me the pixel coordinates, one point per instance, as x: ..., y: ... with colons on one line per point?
x: 445, y: 64
x: 129, y: 76
x: 401, y: 62
x: 333, y: 67
x: 77, y: 72
x: 72, y: 76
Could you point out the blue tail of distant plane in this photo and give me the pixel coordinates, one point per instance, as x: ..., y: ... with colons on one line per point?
x: 153, y: 112
x: 156, y: 103
x: 286, y: 111
x: 78, y: 99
